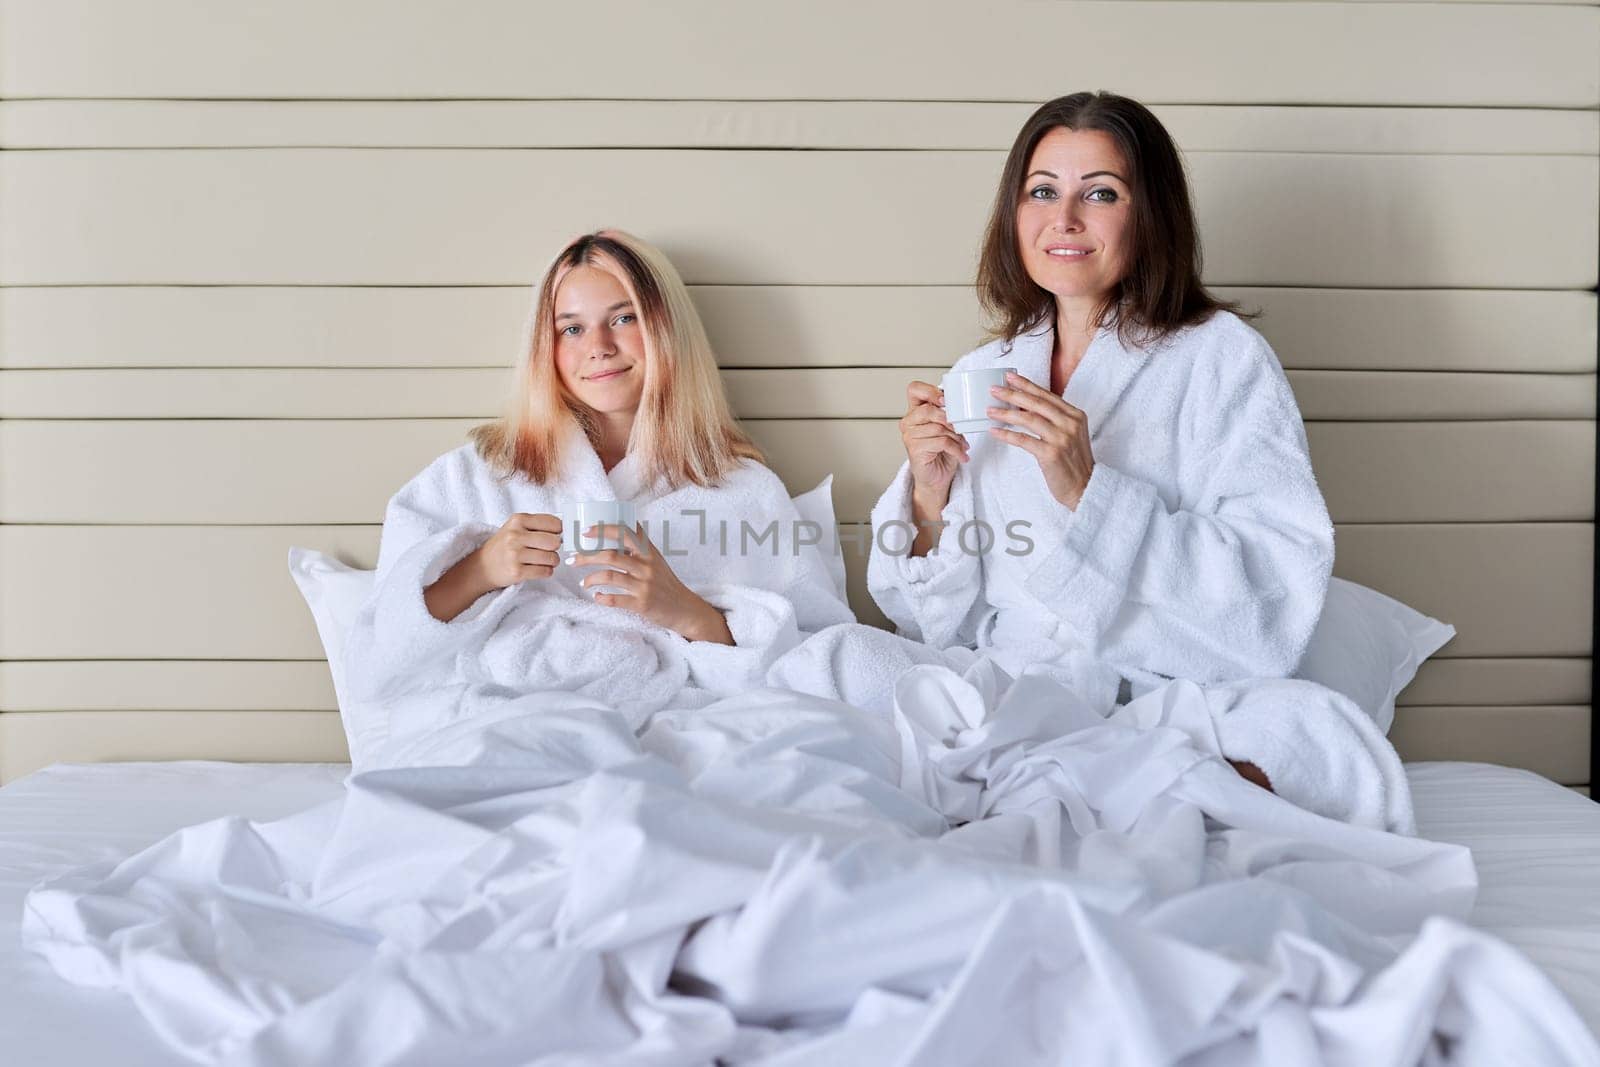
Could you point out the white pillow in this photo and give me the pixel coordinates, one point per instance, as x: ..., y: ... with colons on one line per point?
x: 816, y: 505
x: 334, y: 592
x: 1366, y: 645
x: 1369, y: 646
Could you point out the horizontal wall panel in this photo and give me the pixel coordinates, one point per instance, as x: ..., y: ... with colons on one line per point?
x: 29, y: 742
x: 751, y: 326
x: 1388, y: 396
x: 1514, y: 589
x: 1455, y: 471
x: 165, y: 326
x: 1500, y: 681
x: 214, y: 472
x: 1423, y: 330
x: 165, y: 592
x: 904, y: 124
x: 345, y: 471
x: 166, y: 685
x: 1384, y: 54
x: 767, y: 393
x: 304, y: 685
x: 178, y: 592
x: 1551, y: 740
x: 271, y: 393
x: 1368, y: 472
x: 450, y: 217
x: 1384, y: 240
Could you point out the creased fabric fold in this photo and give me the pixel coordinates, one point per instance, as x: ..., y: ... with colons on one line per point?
x: 993, y: 872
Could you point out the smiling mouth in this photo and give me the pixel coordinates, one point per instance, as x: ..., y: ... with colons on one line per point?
x: 607, y: 375
x: 1065, y: 253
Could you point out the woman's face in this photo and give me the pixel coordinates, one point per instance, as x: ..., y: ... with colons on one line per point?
x: 599, y: 342
x: 1074, y: 216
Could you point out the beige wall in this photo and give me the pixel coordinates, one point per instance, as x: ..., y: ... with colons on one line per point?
x: 258, y: 263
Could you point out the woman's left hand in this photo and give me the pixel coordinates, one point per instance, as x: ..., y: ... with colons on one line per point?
x: 648, y: 586
x: 1058, y: 435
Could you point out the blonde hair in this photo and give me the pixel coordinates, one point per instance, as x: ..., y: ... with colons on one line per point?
x: 684, y: 431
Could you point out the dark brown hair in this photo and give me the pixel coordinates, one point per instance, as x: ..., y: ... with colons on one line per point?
x: 1161, y: 291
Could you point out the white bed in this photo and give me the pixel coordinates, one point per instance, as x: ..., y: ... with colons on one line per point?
x: 70, y: 814
x: 1537, y: 848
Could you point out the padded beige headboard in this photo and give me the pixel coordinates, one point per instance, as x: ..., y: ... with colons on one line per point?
x: 261, y: 263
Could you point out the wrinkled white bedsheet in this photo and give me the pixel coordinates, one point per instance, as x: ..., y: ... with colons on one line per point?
x: 992, y: 876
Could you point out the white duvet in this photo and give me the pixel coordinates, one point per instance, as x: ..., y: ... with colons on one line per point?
x: 991, y: 874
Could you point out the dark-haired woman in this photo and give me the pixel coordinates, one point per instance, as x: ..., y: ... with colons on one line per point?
x: 1144, y: 508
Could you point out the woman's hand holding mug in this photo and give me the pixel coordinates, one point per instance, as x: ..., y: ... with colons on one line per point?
x: 936, y: 452
x: 1057, y: 436
x: 933, y: 446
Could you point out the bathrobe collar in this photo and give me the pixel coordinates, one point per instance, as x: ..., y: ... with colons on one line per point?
x: 1096, y: 385
x: 584, y: 477
x: 1099, y: 380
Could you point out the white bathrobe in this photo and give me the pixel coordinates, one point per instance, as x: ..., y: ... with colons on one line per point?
x: 1201, y: 549
x: 411, y: 674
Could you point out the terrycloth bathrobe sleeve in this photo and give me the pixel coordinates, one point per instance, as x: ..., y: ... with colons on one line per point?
x: 428, y: 527
x: 772, y: 592
x: 1230, y: 583
x: 430, y: 524
x: 936, y: 599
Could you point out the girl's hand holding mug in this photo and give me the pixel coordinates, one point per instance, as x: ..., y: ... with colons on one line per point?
x: 643, y: 583
x: 525, y: 547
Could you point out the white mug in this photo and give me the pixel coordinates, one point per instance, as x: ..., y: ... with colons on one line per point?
x: 586, y: 513
x: 966, y: 395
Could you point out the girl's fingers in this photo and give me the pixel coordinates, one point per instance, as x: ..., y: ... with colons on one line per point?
x: 608, y: 557
x: 615, y: 579
x: 633, y: 541
x: 636, y: 541
x: 536, y: 557
x: 530, y: 523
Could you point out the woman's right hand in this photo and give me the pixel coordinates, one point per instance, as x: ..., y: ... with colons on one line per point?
x: 526, y: 546
x: 932, y: 445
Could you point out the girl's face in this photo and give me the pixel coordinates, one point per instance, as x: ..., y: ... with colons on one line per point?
x: 1074, y: 215
x: 599, y: 342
